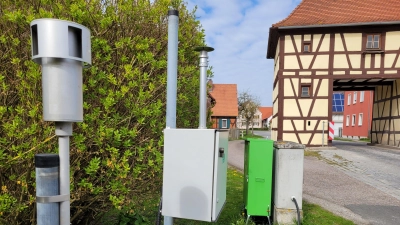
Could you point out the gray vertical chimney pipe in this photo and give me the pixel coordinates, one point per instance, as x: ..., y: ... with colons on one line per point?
x: 203, y: 84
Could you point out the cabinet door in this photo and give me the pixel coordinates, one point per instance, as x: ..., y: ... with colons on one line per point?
x: 188, y: 175
x: 246, y: 173
x: 220, y: 170
x: 260, y: 177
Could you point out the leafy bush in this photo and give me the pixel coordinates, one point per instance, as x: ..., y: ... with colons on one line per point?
x: 116, y: 153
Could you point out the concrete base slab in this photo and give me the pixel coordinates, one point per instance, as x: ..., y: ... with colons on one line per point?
x: 286, y: 216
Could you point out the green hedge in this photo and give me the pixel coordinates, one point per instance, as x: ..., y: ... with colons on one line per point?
x: 116, y: 153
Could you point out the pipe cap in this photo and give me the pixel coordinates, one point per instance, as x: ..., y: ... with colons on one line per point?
x: 203, y: 48
x: 47, y: 160
x: 173, y: 12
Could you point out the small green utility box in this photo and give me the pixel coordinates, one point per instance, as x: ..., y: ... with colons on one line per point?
x: 257, y: 186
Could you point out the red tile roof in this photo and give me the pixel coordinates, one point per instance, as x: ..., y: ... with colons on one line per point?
x: 225, y: 96
x: 266, y: 112
x: 323, y: 12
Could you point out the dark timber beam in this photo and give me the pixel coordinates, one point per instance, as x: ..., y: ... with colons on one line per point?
x: 383, y: 83
x: 354, y: 89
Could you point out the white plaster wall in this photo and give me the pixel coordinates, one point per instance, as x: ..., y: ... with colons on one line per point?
x: 338, y: 120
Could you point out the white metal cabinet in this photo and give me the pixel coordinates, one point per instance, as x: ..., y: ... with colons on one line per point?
x: 194, y: 179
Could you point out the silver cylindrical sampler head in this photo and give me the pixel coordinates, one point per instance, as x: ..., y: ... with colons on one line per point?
x: 61, y: 48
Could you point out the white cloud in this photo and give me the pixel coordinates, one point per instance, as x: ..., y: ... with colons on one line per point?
x: 238, y: 30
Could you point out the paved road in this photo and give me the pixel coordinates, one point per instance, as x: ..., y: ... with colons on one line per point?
x: 375, y: 172
x: 264, y: 133
x: 356, y: 181
x: 235, y: 154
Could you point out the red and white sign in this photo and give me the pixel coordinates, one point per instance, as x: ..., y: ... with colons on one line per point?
x: 331, y: 130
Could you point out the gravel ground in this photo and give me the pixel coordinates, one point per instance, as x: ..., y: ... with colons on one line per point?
x: 355, y: 181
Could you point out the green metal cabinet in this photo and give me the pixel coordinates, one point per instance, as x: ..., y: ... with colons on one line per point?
x: 257, y: 188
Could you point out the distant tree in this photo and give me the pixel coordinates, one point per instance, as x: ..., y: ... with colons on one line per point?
x: 248, y: 105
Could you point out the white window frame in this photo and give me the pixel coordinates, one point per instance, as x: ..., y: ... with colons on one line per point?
x: 226, y: 123
x: 373, y: 43
x: 353, y: 121
x: 355, y: 97
x: 361, y: 96
x: 360, y: 119
x: 348, y: 99
x: 347, y: 120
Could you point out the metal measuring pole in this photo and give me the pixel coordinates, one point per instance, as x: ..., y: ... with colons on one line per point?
x: 47, y: 187
x: 61, y: 48
x: 172, y: 71
x: 172, y: 67
x: 203, y: 84
x: 64, y: 131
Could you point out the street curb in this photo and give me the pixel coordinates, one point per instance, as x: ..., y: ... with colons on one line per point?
x: 383, y: 146
x: 320, y: 148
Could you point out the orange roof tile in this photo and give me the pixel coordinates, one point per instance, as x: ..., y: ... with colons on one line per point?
x: 324, y: 12
x: 225, y: 96
x: 266, y: 112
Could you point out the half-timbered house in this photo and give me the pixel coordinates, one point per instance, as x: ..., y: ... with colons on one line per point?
x: 325, y: 46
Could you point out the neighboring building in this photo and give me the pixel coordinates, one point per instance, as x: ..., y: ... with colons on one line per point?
x: 225, y: 110
x: 337, y: 113
x: 342, y: 45
x: 358, y: 113
x: 256, y: 123
x: 260, y: 118
x: 266, y: 113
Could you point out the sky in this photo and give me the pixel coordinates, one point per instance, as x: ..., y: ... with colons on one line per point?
x: 238, y: 31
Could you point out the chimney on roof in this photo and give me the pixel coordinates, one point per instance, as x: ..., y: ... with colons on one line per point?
x: 210, y: 85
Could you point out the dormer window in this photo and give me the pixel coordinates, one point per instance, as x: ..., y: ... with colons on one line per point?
x: 373, y: 41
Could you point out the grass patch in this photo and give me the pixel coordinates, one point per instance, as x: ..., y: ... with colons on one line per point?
x: 339, y: 157
x: 250, y: 135
x: 231, y: 214
x: 314, y: 214
x: 340, y: 161
x: 337, y: 161
x: 365, y: 139
x: 342, y: 139
x: 312, y: 154
x: 234, y: 202
x: 349, y: 139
